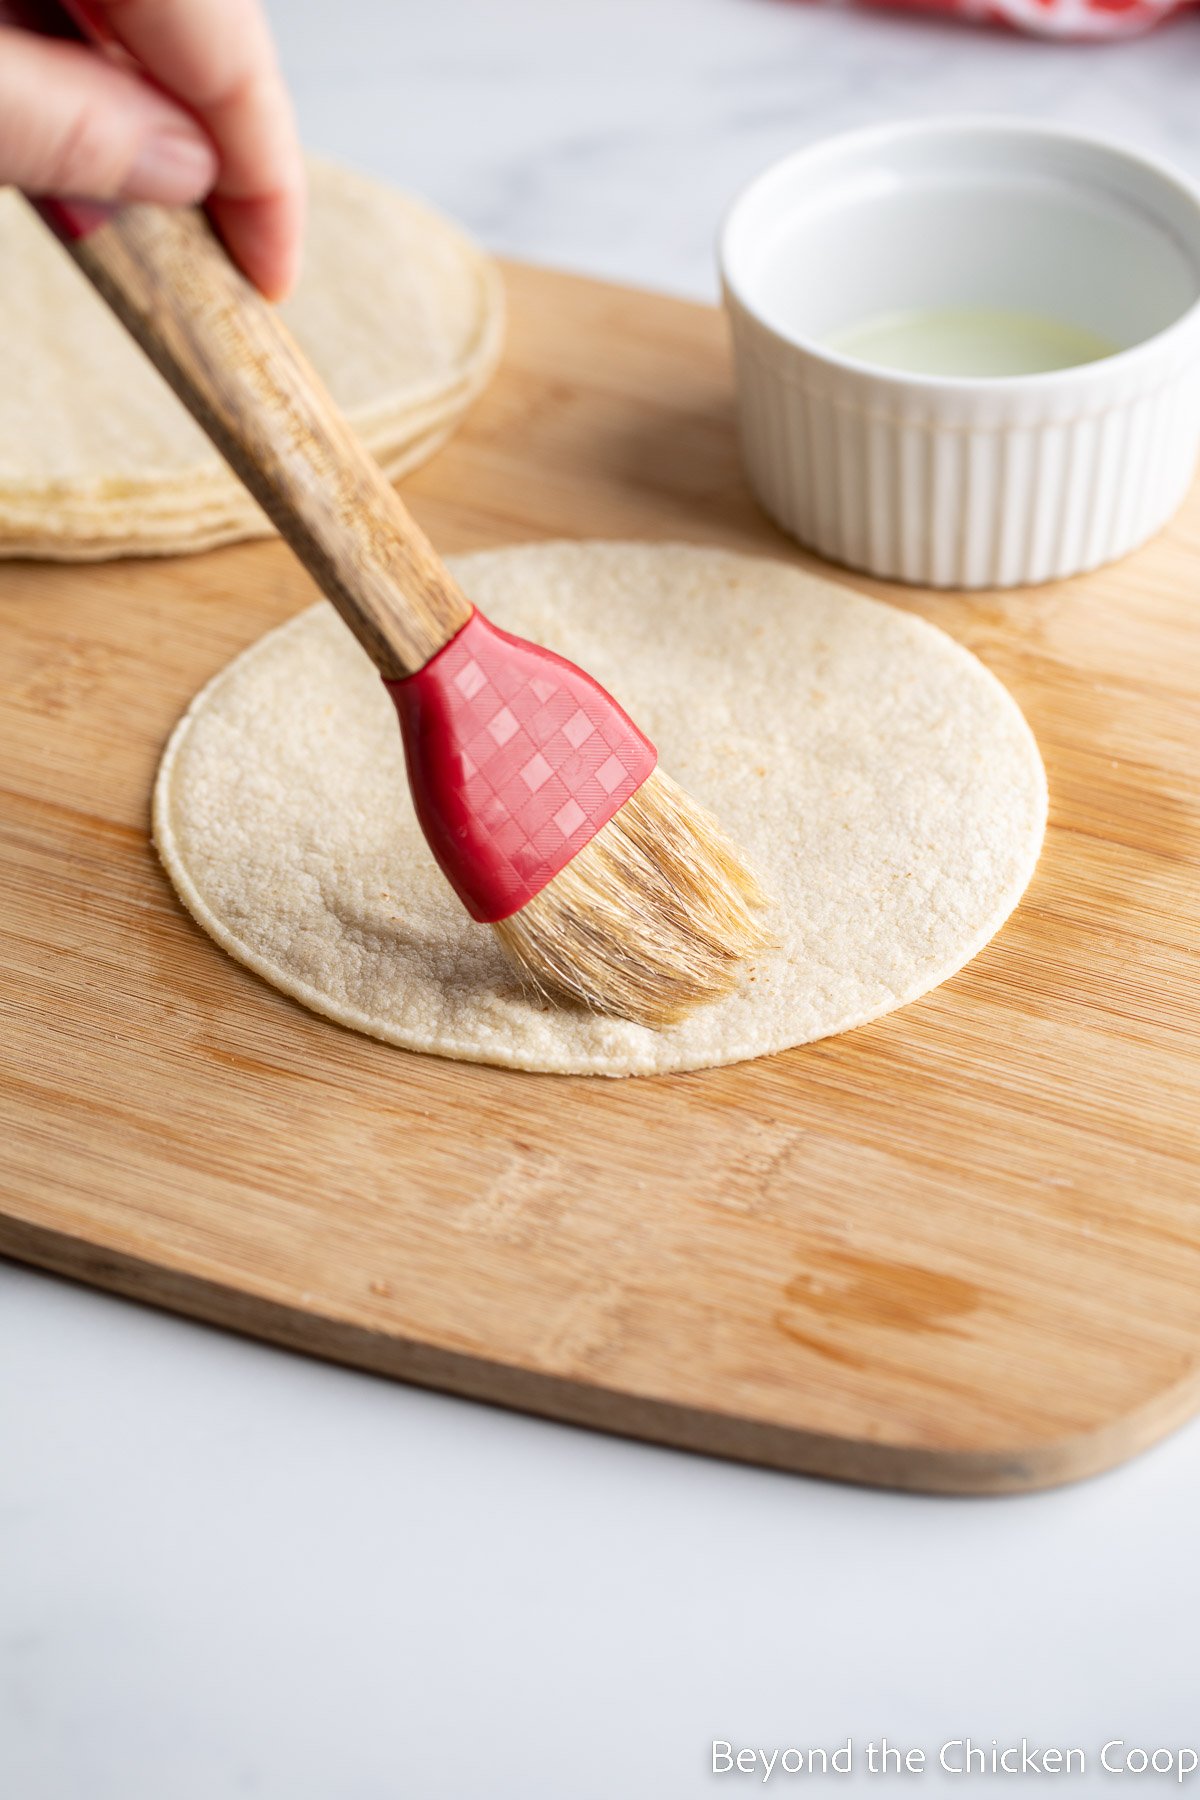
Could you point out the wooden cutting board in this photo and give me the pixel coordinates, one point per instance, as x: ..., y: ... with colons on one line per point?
x: 958, y: 1249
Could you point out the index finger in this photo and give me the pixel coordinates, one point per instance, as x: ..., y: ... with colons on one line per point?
x: 217, y: 57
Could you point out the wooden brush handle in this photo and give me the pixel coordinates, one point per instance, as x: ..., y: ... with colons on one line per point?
x: 242, y: 376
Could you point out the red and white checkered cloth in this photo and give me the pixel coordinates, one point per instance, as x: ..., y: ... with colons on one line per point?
x: 1055, y: 18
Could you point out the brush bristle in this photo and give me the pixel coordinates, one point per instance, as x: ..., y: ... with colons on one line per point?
x: 656, y: 915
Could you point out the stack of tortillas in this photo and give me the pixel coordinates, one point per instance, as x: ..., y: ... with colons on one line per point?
x: 402, y: 315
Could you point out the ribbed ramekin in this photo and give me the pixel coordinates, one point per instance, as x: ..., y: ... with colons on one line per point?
x: 982, y: 482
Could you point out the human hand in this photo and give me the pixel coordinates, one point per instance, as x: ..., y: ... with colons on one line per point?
x: 210, y: 117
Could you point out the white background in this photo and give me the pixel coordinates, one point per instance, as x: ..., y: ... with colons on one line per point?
x: 225, y: 1570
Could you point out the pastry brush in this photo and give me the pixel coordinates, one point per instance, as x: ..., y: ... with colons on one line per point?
x: 541, y: 800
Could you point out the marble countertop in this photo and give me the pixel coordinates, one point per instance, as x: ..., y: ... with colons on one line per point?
x: 609, y: 138
x: 228, y: 1571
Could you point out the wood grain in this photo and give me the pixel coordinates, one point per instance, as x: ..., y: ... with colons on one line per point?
x: 245, y: 380
x: 956, y: 1250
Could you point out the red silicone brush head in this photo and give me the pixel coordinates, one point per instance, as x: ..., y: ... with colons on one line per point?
x: 516, y: 759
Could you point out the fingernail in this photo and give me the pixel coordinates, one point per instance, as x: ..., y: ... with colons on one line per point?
x: 172, y: 167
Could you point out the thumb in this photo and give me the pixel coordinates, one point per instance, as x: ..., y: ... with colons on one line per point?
x: 72, y: 122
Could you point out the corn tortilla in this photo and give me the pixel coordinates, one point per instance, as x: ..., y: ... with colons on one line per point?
x: 883, y: 782
x: 402, y: 315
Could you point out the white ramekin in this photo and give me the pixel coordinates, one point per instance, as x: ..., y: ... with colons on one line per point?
x: 980, y: 482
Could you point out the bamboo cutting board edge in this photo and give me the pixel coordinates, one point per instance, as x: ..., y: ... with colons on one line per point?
x: 906, y: 1340
x: 1021, y: 1469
